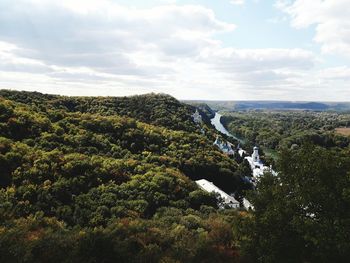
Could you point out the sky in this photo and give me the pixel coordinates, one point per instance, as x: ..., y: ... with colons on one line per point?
x: 297, y: 50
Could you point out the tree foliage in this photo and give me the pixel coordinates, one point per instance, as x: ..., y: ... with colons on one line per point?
x: 303, y: 214
x: 109, y: 179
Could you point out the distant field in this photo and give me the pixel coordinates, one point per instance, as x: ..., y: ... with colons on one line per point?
x: 343, y: 131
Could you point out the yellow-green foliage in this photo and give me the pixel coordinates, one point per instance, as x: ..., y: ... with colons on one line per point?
x: 108, y: 179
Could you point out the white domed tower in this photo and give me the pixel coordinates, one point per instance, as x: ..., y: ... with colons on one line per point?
x: 255, y: 155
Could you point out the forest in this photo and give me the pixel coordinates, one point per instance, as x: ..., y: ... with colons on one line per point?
x: 111, y: 179
x: 276, y: 130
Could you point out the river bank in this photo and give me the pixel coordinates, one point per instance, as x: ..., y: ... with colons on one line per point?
x: 218, y: 126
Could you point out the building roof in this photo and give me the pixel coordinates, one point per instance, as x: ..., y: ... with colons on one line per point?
x: 210, y: 187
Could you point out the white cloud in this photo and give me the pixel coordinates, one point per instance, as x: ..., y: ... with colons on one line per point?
x: 101, y: 48
x: 336, y: 73
x: 9, y: 61
x: 237, y: 2
x: 330, y: 17
x: 260, y: 59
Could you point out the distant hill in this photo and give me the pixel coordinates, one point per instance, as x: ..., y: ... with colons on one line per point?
x: 157, y: 109
x: 275, y: 105
x: 282, y: 106
x: 154, y: 125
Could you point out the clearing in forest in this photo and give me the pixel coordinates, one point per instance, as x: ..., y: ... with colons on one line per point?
x: 343, y: 131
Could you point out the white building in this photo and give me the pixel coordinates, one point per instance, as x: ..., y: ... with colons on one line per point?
x: 247, y: 205
x: 210, y: 187
x: 224, y: 146
x: 258, y: 168
x: 241, y: 152
x: 255, y: 155
x: 197, y: 118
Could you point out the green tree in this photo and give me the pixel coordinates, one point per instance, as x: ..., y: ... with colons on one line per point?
x: 303, y: 213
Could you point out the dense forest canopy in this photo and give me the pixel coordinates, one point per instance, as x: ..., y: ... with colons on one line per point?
x: 102, y: 179
x: 156, y: 109
x: 280, y: 129
x: 89, y: 162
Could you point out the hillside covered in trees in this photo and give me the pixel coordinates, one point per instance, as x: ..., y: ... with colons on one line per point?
x: 93, y: 163
x: 104, y: 179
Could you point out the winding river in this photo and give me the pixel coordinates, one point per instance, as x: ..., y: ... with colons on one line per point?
x: 218, y: 125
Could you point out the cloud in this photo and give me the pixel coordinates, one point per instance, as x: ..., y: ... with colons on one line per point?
x: 95, y: 47
x: 237, y: 2
x: 336, y: 73
x: 9, y: 61
x: 260, y: 59
x: 330, y: 18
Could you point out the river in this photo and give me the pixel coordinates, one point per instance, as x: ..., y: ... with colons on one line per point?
x: 218, y: 125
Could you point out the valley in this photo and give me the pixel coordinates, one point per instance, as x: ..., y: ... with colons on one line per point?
x: 127, y: 178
